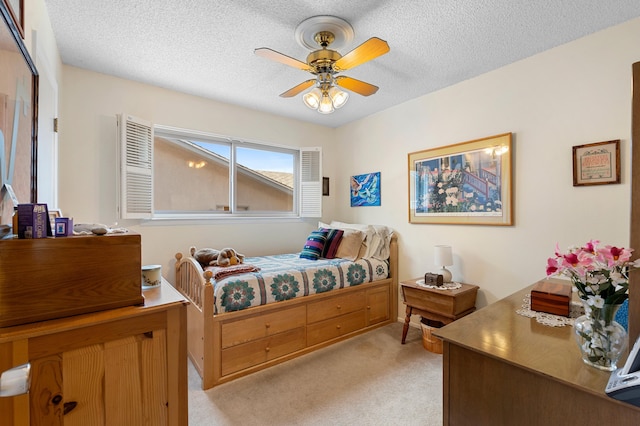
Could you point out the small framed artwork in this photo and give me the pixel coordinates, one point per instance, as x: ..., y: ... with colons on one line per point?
x: 365, y: 190
x: 325, y: 186
x: 468, y: 183
x: 596, y: 163
x: 53, y: 214
x: 16, y: 10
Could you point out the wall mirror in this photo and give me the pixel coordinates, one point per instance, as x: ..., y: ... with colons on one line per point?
x: 18, y: 118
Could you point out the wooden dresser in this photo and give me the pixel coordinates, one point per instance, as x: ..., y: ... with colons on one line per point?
x: 125, y: 366
x: 501, y: 368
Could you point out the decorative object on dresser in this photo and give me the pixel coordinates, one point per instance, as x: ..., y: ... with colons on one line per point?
x: 600, y: 275
x: 439, y: 304
x: 443, y: 257
x: 151, y: 275
x: 252, y: 321
x: 47, y: 278
x: 551, y: 296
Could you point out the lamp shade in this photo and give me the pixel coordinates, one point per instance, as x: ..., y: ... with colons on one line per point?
x: 443, y: 256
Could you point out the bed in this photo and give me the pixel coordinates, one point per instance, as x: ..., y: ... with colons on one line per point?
x: 291, y: 312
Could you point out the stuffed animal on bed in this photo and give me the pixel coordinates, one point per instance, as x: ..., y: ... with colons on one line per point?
x: 205, y: 256
x: 228, y: 257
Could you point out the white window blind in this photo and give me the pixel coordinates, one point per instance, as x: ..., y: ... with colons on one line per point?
x: 310, y: 182
x: 136, y: 167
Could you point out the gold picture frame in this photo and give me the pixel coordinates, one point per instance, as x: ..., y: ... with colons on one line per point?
x: 596, y: 163
x: 468, y: 183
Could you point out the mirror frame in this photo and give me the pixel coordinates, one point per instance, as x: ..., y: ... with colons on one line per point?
x: 9, y: 25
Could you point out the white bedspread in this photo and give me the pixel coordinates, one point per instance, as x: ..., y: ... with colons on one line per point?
x: 287, y: 276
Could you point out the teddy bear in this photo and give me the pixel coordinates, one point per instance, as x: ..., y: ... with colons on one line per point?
x: 229, y: 257
x: 205, y: 256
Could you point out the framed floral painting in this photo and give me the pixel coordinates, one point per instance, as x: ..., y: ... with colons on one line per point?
x: 467, y: 183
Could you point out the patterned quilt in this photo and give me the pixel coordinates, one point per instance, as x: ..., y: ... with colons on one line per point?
x: 287, y: 276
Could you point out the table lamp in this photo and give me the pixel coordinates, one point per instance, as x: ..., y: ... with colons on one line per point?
x: 442, y: 258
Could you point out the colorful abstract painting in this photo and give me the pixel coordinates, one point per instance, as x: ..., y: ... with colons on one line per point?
x: 365, y: 190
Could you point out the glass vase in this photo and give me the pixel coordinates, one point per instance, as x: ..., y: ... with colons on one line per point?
x: 601, y: 339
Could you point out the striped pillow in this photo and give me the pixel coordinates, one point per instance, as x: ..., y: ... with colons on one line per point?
x: 315, y: 244
x: 334, y: 236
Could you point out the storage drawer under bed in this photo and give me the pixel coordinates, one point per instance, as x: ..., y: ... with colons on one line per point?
x: 259, y: 351
x: 252, y: 328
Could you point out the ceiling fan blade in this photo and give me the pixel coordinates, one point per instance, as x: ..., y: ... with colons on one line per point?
x: 299, y: 88
x: 265, y: 52
x: 360, y: 87
x: 367, y: 51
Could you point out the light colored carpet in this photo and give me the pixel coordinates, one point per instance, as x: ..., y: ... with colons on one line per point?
x: 370, y: 379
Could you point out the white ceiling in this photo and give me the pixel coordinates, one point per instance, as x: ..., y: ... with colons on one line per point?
x: 205, y: 47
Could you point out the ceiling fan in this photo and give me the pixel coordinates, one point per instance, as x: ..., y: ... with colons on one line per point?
x: 324, y: 31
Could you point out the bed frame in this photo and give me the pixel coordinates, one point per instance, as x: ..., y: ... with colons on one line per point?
x: 229, y: 345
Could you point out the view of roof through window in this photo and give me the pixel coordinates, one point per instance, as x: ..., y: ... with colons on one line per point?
x: 277, y: 166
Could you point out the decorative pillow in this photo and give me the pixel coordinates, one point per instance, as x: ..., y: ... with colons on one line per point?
x: 349, y: 247
x: 334, y: 236
x: 315, y: 244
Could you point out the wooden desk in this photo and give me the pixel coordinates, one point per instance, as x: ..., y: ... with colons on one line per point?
x: 501, y: 368
x: 114, y: 367
x: 443, y: 306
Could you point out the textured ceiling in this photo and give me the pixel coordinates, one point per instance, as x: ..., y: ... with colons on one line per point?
x: 205, y: 47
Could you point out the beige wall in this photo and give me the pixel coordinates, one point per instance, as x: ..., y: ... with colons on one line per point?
x: 88, y: 167
x: 575, y: 94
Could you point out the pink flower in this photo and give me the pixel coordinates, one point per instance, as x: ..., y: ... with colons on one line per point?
x: 552, y: 266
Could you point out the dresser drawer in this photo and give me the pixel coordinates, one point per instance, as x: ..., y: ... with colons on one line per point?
x: 247, y: 355
x: 335, y: 327
x: 252, y: 328
x: 335, y: 306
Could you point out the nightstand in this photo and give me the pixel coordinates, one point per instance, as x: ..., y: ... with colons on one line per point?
x: 444, y: 306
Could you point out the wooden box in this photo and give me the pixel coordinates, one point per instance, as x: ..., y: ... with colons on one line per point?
x: 551, y: 296
x: 47, y: 278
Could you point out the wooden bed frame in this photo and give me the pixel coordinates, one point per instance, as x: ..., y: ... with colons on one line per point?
x: 226, y: 346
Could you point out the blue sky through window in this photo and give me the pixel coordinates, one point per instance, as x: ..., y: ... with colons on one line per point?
x: 255, y: 159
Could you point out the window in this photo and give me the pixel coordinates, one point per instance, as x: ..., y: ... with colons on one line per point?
x: 198, y: 175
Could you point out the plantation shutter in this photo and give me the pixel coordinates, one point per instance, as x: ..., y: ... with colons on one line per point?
x: 311, y: 182
x: 136, y: 167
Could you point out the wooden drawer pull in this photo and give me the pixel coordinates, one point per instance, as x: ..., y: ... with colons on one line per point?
x: 338, y: 326
x: 339, y: 307
x: 267, y: 349
x: 368, y: 307
x: 267, y: 325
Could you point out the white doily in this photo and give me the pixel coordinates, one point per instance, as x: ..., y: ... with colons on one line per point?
x: 575, y: 310
x: 444, y: 286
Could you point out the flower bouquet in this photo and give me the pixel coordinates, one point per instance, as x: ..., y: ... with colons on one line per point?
x: 600, y: 276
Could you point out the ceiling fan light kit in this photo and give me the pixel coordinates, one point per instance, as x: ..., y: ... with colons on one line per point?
x: 324, y: 31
